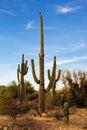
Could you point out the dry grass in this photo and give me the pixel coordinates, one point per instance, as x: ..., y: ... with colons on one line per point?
x: 79, y: 118
x: 78, y: 121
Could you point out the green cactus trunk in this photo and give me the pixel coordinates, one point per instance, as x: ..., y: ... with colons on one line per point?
x: 41, y: 62
x: 40, y: 81
x: 66, y: 112
x: 21, y: 72
x: 22, y: 83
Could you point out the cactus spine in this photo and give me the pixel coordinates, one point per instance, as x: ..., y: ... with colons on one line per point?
x: 40, y: 81
x: 21, y: 72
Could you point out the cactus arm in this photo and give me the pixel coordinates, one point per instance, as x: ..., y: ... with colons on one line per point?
x: 56, y: 80
x: 33, y: 72
x: 19, y: 70
x: 22, y: 58
x: 52, y: 80
x: 18, y: 75
x: 53, y: 85
x: 58, y: 76
x: 49, y: 76
x: 25, y: 72
x: 25, y: 68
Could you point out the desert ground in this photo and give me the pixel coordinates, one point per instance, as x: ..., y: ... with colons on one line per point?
x: 77, y: 121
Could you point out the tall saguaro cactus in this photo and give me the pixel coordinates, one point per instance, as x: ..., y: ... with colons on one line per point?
x: 40, y: 81
x: 21, y: 72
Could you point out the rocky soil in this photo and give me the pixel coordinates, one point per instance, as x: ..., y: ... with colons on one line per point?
x: 49, y: 121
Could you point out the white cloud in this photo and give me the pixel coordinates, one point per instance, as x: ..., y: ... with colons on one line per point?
x: 73, y: 47
x: 29, y: 25
x: 61, y: 62
x: 7, y: 12
x: 66, y: 9
x: 77, y: 46
x: 65, y: 61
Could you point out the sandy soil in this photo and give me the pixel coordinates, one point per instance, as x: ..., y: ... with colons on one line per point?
x: 78, y: 121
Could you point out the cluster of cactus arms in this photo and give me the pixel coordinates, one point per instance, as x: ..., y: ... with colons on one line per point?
x: 55, y: 80
x: 40, y: 81
x: 21, y: 72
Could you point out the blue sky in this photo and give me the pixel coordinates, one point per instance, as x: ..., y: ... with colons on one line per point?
x: 65, y: 35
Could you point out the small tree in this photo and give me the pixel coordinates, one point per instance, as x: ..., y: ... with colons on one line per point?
x: 78, y: 86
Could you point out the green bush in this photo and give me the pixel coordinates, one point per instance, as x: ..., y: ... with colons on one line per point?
x: 29, y: 89
x: 13, y: 88
x: 52, y: 101
x: 5, y: 96
x: 32, y: 96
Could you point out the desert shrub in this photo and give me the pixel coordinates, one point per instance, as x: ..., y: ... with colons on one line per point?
x: 5, y: 96
x: 29, y: 88
x: 52, y: 101
x: 25, y: 108
x: 55, y: 100
x: 80, y: 99
x: 13, y: 87
x: 32, y: 96
x: 48, y: 101
x: 25, y: 128
x: 77, y: 95
x: 70, y: 98
x: 10, y: 94
x: 13, y: 109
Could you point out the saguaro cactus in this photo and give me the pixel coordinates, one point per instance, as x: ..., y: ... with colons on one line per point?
x: 21, y: 72
x: 66, y: 112
x: 40, y: 81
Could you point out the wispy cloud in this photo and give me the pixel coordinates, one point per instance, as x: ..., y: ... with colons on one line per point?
x: 77, y: 46
x: 7, y: 12
x: 65, y: 61
x: 66, y: 9
x: 68, y: 48
x: 29, y: 25
x: 75, y: 59
x: 73, y: 47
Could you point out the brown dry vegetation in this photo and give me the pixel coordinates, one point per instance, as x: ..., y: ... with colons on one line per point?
x: 78, y: 121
